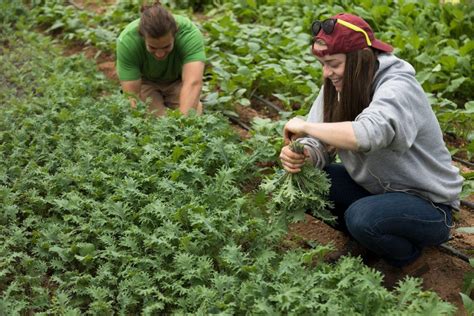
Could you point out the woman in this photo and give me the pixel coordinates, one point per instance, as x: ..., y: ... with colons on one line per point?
x: 396, y: 188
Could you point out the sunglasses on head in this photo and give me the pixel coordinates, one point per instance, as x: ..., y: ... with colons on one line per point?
x: 328, y: 27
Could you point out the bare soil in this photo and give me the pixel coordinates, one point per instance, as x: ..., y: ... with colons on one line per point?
x: 97, y: 6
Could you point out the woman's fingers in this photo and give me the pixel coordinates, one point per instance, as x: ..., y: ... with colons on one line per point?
x: 292, y: 168
x: 289, y: 155
x: 291, y: 161
x: 288, y: 136
x: 294, y: 161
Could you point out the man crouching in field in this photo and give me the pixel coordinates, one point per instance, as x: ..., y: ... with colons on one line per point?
x: 160, y: 57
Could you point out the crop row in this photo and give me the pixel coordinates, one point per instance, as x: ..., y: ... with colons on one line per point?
x: 106, y: 210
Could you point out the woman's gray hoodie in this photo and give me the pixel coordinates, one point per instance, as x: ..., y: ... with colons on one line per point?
x: 401, y: 145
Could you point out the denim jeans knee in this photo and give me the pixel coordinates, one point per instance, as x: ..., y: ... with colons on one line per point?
x: 397, y: 225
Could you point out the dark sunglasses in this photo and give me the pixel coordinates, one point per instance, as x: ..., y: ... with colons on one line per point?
x: 327, y: 26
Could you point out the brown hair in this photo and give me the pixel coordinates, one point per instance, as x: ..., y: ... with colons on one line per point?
x: 156, y: 21
x: 356, y: 91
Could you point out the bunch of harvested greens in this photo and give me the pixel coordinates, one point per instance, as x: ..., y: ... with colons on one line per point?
x: 296, y: 193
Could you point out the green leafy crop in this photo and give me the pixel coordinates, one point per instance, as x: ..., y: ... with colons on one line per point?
x: 262, y: 47
x: 294, y: 194
x: 107, y: 210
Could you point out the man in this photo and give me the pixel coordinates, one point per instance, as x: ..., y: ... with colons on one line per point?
x: 160, y: 57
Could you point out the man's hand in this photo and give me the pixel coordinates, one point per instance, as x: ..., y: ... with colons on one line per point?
x: 132, y: 88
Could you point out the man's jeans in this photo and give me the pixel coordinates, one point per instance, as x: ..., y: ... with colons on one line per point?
x: 394, y: 225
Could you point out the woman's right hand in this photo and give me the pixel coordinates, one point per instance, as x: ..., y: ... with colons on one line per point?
x: 291, y: 161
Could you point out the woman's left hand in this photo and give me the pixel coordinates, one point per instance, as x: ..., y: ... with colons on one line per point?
x: 294, y: 128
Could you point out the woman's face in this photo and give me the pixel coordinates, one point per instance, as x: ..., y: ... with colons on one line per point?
x: 333, y: 66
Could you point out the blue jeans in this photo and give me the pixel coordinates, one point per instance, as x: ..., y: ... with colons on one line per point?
x: 396, y: 226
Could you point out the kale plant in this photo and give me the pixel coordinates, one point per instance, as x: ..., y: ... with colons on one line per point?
x: 293, y: 194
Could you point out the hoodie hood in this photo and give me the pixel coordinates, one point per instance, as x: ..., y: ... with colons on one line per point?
x: 391, y: 65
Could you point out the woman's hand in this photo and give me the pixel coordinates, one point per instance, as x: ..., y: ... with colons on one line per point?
x: 294, y: 128
x: 291, y: 161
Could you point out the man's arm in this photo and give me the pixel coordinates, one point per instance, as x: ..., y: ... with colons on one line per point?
x: 192, y: 85
x: 132, y: 88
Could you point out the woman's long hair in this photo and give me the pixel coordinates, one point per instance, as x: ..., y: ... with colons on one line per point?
x: 156, y: 21
x: 356, y: 91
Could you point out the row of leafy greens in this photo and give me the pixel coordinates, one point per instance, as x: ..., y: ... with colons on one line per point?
x: 106, y: 210
x: 261, y: 48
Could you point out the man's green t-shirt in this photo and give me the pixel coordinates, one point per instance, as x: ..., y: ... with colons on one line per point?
x: 134, y: 62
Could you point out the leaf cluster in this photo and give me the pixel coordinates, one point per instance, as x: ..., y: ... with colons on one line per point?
x: 294, y: 194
